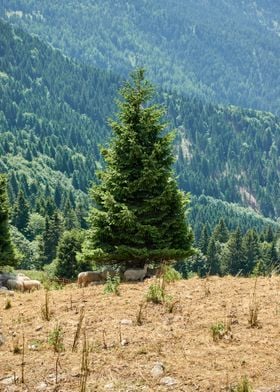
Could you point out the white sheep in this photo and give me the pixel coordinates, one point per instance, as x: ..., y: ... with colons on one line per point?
x: 136, y: 274
x: 29, y: 285
x: 84, y: 278
x: 14, y: 284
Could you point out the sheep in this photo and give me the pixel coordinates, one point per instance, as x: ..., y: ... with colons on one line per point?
x: 29, y: 285
x: 22, y: 277
x: 84, y: 278
x: 14, y: 284
x: 136, y: 274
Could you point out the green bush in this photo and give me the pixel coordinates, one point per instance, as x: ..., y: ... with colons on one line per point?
x: 170, y: 274
x: 156, y: 293
x: 112, y: 285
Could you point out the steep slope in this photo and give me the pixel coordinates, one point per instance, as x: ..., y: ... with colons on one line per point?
x: 224, y: 50
x: 53, y: 115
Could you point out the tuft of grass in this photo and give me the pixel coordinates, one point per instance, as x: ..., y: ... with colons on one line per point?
x: 254, y: 309
x: 56, y: 339
x: 156, y: 293
x: 243, y: 386
x: 8, y: 304
x: 169, y: 274
x: 220, y: 330
x: 112, y: 285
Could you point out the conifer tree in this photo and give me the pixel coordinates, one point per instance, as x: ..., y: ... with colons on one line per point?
x: 213, y: 262
x: 21, y: 212
x: 204, y: 239
x: 234, y: 255
x: 221, y: 232
x: 251, y: 251
x: 7, y: 255
x: 139, y: 213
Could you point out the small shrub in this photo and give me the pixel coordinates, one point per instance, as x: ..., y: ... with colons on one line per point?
x: 254, y: 309
x: 112, y: 285
x: 170, y: 275
x: 156, y: 293
x: 56, y: 339
x: 16, y: 347
x: 8, y: 304
x: 220, y: 330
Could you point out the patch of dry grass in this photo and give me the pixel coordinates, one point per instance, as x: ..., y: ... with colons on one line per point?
x: 181, y: 340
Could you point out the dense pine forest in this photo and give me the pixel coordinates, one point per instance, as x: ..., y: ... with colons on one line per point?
x: 53, y: 119
x: 227, y: 50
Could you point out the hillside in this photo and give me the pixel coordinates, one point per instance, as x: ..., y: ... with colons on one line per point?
x: 227, y: 50
x: 52, y: 123
x: 182, y: 340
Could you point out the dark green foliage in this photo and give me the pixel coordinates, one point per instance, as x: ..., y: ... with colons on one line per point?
x: 51, y: 236
x: 66, y: 264
x: 7, y: 254
x: 221, y: 232
x: 251, y: 249
x: 140, y: 213
x: 213, y: 260
x: 224, y: 50
x: 20, y: 216
x: 233, y: 257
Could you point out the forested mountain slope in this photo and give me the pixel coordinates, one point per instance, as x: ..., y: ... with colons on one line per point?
x: 227, y: 50
x: 53, y: 115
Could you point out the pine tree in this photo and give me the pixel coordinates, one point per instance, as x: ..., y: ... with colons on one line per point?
x: 7, y: 255
x: 213, y: 262
x: 139, y: 213
x: 251, y: 251
x: 204, y: 239
x: 21, y: 212
x: 221, y: 232
x: 234, y: 255
x: 66, y: 264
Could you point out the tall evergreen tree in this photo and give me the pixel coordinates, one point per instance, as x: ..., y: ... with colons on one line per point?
x: 221, y: 232
x: 234, y: 255
x: 139, y: 213
x: 21, y: 212
x: 7, y: 255
x: 251, y: 251
x: 204, y: 239
x: 213, y: 262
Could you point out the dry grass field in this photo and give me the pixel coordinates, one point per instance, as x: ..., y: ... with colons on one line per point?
x: 121, y: 354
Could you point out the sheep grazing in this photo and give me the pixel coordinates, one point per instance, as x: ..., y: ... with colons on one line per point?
x: 84, y: 278
x: 13, y: 284
x: 29, y: 285
x: 136, y: 274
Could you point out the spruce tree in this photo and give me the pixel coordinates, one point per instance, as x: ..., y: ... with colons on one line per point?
x: 251, y: 251
x: 21, y: 212
x: 221, y: 232
x: 139, y: 214
x: 234, y: 255
x: 7, y: 255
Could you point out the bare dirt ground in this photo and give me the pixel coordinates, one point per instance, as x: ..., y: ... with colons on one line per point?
x: 182, y: 340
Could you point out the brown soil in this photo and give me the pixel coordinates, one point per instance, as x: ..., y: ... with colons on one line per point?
x: 182, y: 340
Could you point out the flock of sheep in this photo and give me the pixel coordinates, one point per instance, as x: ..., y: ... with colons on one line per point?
x: 85, y: 278
x: 23, y: 283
